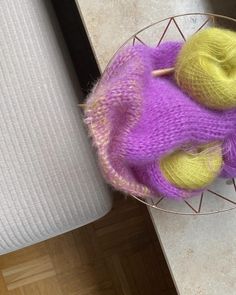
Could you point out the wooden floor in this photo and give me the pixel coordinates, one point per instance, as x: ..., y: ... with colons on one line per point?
x: 116, y: 255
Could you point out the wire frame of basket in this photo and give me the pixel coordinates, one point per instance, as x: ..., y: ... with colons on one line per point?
x: 221, y: 195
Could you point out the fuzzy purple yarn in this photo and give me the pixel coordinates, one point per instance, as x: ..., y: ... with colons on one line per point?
x: 229, y: 151
x: 151, y: 117
x: 170, y: 118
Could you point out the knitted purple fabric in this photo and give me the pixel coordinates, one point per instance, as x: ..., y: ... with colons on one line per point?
x: 136, y: 119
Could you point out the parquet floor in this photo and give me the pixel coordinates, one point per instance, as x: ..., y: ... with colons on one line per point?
x: 116, y: 255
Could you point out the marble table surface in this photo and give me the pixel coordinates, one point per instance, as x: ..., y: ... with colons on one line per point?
x: 200, y: 250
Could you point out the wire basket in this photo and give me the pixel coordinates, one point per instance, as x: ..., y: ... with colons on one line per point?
x: 221, y: 195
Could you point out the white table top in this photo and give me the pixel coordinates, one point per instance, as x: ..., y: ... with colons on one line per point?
x: 200, y: 250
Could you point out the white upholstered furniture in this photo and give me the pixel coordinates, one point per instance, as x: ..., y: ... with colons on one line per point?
x: 49, y: 181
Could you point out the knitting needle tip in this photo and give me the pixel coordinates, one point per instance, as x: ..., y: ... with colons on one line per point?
x: 162, y: 72
x: 82, y: 105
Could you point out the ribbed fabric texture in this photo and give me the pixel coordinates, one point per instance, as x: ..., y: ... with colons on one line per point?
x: 49, y: 182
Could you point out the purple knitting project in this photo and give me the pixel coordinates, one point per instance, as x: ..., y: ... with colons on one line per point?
x: 136, y: 119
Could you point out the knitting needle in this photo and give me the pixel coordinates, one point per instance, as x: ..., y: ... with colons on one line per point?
x: 162, y: 72
x: 82, y: 105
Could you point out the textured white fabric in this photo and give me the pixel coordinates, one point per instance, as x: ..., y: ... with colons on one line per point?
x: 49, y: 181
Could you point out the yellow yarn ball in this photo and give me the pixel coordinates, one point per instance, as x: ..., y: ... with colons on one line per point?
x: 206, y: 68
x: 193, y: 170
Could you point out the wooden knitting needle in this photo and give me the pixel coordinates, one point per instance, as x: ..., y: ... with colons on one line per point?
x: 82, y: 105
x: 162, y: 72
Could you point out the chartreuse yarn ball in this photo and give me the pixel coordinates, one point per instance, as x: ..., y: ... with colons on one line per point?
x: 193, y: 169
x: 206, y: 68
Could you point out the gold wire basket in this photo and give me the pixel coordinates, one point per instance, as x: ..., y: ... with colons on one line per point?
x: 221, y: 195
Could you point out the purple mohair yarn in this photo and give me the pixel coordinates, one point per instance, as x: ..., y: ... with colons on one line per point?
x: 148, y: 118
x: 170, y: 118
x: 229, y: 151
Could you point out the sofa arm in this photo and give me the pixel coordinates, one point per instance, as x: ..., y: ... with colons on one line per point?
x: 49, y: 181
